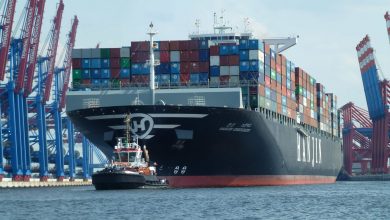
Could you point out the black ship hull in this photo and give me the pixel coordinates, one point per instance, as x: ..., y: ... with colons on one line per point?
x: 117, y: 180
x: 216, y: 146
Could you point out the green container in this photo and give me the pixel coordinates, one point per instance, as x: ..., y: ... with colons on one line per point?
x: 76, y: 74
x: 245, y: 90
x: 115, y: 83
x: 273, y: 74
x: 105, y: 53
x: 125, y: 62
x: 254, y: 101
x: 76, y: 83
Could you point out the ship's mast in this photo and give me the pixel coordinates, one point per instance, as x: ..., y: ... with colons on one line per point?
x: 151, y: 33
x: 127, y: 121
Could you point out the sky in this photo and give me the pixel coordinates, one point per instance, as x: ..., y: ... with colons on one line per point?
x: 328, y: 30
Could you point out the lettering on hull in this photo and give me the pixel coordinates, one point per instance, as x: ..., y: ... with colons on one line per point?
x: 309, y: 149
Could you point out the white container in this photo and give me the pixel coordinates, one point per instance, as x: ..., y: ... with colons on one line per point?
x: 224, y: 70
x: 125, y: 52
x: 76, y: 53
x: 234, y: 70
x: 95, y: 53
x: 214, y: 60
x: 175, y: 56
x: 86, y: 53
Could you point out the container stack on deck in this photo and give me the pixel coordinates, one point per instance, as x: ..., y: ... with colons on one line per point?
x: 101, y: 68
x: 268, y: 81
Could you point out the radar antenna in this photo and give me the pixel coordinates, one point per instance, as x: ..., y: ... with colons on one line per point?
x: 127, y: 122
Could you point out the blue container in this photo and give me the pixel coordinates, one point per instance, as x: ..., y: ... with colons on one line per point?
x: 95, y: 64
x: 273, y: 54
x: 292, y: 66
x: 254, y: 66
x: 194, y: 78
x: 267, y: 59
x: 279, y: 78
x: 284, y: 100
x: 267, y: 70
x: 175, y: 79
x: 175, y: 68
x: 203, y: 44
x: 224, y: 49
x: 233, y: 50
x: 244, y: 44
x: 267, y: 92
x: 158, y: 70
x: 288, y: 66
x: 261, y: 78
x: 273, y: 95
x: 255, y: 44
x: 204, y: 55
x: 85, y: 63
x: 288, y: 82
x: 95, y: 74
x: 214, y: 71
x: 165, y: 68
x: 253, y: 76
x: 145, y: 69
x: 96, y: 82
x: 203, y: 78
x: 136, y: 68
x: 105, y: 63
x: 124, y: 73
x: 244, y: 54
x: 86, y: 74
x: 244, y: 66
x: 284, y: 110
x: 243, y: 75
x: 165, y: 79
x: 104, y: 83
x: 105, y: 73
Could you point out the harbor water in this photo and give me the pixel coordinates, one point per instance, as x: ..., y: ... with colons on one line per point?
x: 342, y: 200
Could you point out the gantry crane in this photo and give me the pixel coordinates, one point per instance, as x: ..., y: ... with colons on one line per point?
x: 59, y: 102
x: 370, y: 142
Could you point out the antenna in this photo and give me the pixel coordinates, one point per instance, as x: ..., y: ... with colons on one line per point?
x: 197, y: 25
x: 215, y: 22
x: 151, y: 33
x: 246, y: 24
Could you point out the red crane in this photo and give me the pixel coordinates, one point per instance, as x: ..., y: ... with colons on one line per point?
x: 6, y: 25
x: 52, y: 52
x: 67, y: 62
x: 26, y: 38
x: 33, y: 52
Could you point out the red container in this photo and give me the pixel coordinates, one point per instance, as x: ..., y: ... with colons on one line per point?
x: 115, y: 52
x: 194, y: 67
x: 224, y: 79
x: 140, y: 79
x: 267, y: 80
x: 115, y: 73
x: 165, y: 56
x: 267, y: 49
x: 184, y: 56
x: 124, y: 82
x: 139, y: 57
x: 193, y: 55
x: 85, y: 82
x: 214, y: 50
x: 204, y: 67
x: 278, y: 68
x: 115, y: 63
x: 139, y: 46
x: 224, y: 61
x: 164, y: 45
x: 185, y: 67
x: 174, y: 45
x: 183, y: 45
x: 193, y: 45
x: 184, y: 78
x: 234, y: 60
x: 76, y: 63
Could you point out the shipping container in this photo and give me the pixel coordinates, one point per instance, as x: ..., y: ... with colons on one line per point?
x: 125, y: 62
x: 105, y: 53
x: 124, y: 73
x: 76, y: 74
x: 125, y: 52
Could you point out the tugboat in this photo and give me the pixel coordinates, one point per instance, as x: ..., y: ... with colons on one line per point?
x: 128, y: 169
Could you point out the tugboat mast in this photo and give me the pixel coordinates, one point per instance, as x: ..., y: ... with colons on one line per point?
x: 127, y: 121
x: 151, y: 33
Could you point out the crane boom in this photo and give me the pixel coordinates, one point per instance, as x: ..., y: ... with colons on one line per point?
x: 6, y: 36
x: 67, y: 62
x: 34, y: 47
x: 52, y: 51
x: 26, y: 38
x: 387, y: 17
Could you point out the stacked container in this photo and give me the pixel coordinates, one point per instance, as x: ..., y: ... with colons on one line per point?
x: 268, y: 80
x: 306, y: 101
x: 100, y: 68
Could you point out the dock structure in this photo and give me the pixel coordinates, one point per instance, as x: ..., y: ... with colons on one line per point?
x: 36, y: 137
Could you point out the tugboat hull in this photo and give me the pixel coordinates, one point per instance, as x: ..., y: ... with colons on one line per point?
x: 106, y: 181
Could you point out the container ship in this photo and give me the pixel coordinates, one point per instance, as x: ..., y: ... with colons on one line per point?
x: 216, y: 110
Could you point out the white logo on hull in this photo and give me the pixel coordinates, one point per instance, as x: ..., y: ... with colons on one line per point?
x: 309, y: 149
